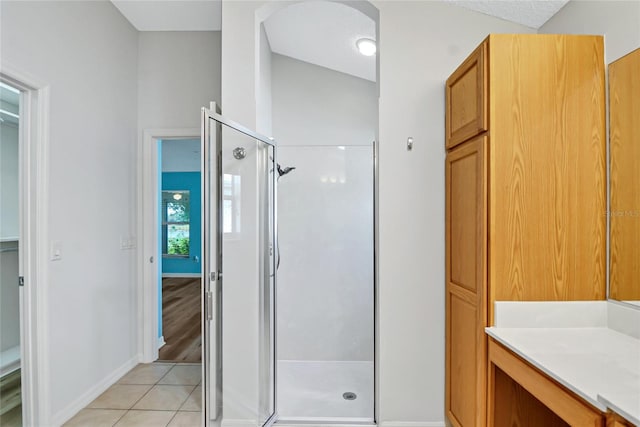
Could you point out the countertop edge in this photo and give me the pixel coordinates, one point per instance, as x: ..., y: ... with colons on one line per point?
x: 592, y: 400
x: 618, y: 410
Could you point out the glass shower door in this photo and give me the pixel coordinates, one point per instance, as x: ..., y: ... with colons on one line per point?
x: 240, y: 262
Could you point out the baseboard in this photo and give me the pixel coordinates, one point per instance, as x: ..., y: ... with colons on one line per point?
x: 238, y: 423
x: 67, y: 413
x: 289, y: 423
x: 412, y: 424
x: 161, y: 342
x: 250, y: 423
x: 167, y: 275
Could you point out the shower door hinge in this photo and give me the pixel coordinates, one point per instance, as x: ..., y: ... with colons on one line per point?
x: 21, y: 281
x: 209, y: 305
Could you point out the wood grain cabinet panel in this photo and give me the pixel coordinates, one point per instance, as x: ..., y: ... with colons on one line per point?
x: 466, y: 203
x: 464, y: 198
x: 467, y: 113
x: 464, y: 354
x: 624, y: 131
x: 525, y: 189
x: 547, y: 168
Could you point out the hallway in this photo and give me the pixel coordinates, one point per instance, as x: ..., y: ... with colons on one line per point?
x: 181, y: 322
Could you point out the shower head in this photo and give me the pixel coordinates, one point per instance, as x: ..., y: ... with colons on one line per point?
x: 284, y: 171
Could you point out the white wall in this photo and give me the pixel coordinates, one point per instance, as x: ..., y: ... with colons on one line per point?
x: 178, y: 74
x: 325, y: 211
x: 264, y: 117
x: 314, y: 105
x: 421, y: 43
x: 86, y: 52
x: 181, y: 155
x: 619, y: 21
x: 244, y: 97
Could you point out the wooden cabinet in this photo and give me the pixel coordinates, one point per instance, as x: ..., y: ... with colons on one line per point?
x: 466, y: 236
x: 624, y: 134
x: 466, y: 94
x: 525, y: 192
x: 519, y: 394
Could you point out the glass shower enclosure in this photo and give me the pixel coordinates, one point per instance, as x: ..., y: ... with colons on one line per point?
x: 239, y: 256
x: 325, y: 318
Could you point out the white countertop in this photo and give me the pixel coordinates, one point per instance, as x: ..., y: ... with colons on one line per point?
x: 597, y: 363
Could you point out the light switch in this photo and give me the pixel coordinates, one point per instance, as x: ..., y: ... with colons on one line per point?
x: 56, y: 250
x: 127, y: 242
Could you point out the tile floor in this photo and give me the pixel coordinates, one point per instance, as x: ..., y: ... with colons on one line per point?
x: 150, y: 395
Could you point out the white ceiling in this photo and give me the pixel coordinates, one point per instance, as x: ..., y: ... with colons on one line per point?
x: 172, y: 15
x: 530, y: 13
x: 323, y: 33
x: 320, y: 32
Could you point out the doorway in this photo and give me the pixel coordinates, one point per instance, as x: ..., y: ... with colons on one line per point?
x: 180, y: 242
x: 10, y: 307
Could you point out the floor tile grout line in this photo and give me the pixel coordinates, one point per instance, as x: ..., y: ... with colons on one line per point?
x: 141, y: 397
x: 151, y: 386
x: 174, y: 415
x: 167, y: 373
x: 188, y: 396
x: 121, y: 417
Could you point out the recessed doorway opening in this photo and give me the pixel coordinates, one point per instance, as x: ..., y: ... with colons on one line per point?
x: 180, y: 242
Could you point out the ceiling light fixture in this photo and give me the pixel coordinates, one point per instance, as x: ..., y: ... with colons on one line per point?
x: 367, y: 47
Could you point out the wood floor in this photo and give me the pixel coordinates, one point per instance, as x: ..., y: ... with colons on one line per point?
x: 181, y: 320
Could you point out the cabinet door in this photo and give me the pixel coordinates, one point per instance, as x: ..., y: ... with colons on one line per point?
x: 467, y: 97
x: 466, y: 273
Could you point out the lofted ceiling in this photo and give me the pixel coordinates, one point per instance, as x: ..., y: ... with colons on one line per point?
x: 325, y: 34
x: 320, y: 32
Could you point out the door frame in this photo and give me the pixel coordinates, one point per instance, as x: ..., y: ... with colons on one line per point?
x: 148, y: 226
x: 33, y: 212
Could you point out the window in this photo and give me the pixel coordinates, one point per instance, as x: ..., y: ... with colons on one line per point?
x: 175, y: 223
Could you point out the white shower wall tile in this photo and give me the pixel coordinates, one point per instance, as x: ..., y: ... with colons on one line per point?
x: 325, y: 280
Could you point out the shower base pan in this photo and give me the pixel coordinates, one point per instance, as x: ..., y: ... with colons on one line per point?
x: 325, y: 391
